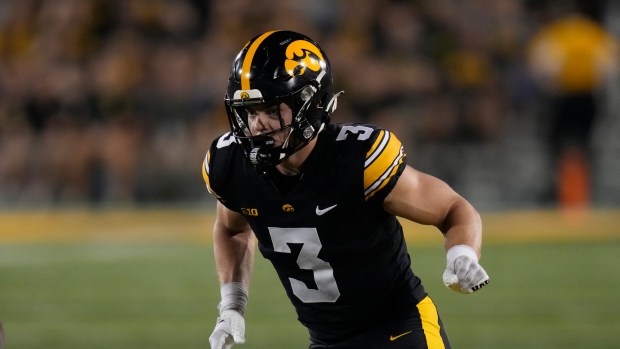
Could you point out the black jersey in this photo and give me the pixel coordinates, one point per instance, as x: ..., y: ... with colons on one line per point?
x: 342, y: 259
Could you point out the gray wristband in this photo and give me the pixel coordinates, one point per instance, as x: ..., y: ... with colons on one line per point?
x: 234, y: 297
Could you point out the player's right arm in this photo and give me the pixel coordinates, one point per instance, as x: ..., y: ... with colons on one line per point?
x: 234, y: 247
x: 233, y: 238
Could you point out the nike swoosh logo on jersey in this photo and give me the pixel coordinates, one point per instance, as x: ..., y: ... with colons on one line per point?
x: 320, y: 212
x: 393, y: 338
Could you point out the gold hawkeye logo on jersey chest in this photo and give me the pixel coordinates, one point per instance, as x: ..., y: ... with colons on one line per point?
x: 288, y: 208
x: 253, y: 212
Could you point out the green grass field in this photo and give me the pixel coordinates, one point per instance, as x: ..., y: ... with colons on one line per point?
x: 141, y: 291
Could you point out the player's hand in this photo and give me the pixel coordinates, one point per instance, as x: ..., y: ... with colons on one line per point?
x: 229, y: 330
x: 463, y: 272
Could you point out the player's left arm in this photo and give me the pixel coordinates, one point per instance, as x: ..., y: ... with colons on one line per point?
x: 428, y: 200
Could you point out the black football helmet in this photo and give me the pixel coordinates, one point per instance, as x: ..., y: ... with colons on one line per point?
x: 280, y: 67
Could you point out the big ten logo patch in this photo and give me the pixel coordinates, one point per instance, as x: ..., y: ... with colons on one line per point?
x: 253, y: 212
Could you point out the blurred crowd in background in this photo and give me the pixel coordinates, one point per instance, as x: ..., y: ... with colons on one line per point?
x: 117, y: 101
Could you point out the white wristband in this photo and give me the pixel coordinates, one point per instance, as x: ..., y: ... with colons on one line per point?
x: 461, y: 250
x: 234, y: 297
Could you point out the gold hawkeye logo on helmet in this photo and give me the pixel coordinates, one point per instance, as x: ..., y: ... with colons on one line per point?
x: 244, y: 95
x: 303, y: 54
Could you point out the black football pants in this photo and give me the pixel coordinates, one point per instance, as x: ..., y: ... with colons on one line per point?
x: 422, y: 330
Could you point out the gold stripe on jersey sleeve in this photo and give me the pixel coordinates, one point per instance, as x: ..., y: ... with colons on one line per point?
x: 205, y: 172
x: 430, y: 324
x: 380, y: 139
x: 247, y: 61
x: 382, y: 162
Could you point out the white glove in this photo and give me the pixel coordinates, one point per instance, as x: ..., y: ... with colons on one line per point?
x: 230, y: 326
x: 463, y: 272
x: 229, y: 330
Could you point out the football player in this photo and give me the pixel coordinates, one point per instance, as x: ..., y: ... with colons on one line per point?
x: 322, y: 200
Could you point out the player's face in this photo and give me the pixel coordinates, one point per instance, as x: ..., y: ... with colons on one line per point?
x: 266, y: 119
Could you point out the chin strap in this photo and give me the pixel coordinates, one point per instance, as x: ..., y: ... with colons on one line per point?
x: 263, y: 151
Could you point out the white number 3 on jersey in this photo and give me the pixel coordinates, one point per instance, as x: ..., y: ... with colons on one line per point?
x: 308, y: 260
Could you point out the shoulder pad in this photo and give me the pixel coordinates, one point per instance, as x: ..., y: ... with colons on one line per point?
x: 384, y: 162
x: 214, y: 164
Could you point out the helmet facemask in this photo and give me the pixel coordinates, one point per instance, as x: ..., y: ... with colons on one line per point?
x: 261, y: 149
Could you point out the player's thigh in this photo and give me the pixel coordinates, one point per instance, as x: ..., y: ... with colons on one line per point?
x: 423, y: 329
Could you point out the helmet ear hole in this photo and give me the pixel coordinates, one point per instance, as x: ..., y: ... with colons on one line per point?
x: 307, y: 93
